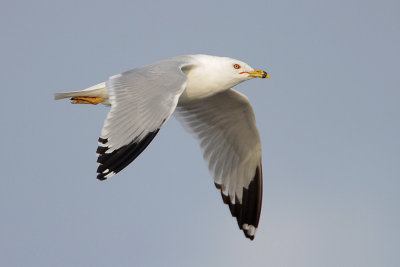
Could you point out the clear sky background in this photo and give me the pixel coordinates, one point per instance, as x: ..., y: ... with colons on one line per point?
x: 328, y: 120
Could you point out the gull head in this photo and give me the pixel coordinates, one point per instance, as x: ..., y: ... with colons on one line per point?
x: 224, y: 72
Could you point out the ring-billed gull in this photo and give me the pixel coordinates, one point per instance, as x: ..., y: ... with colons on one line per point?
x: 199, y: 89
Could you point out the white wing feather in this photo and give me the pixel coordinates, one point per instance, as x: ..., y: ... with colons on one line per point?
x: 225, y: 126
x: 142, y: 100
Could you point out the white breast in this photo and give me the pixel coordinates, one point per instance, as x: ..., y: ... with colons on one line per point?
x: 205, y: 82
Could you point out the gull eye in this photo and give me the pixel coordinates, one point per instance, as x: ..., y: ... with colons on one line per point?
x: 236, y: 66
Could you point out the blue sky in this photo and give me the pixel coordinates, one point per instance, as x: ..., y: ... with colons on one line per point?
x: 328, y: 120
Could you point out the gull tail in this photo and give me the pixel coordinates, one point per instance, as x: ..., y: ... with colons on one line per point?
x: 97, y: 93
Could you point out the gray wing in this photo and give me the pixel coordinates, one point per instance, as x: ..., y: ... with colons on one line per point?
x: 141, y: 100
x: 225, y: 126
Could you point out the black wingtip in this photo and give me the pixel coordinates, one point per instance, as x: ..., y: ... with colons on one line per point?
x: 251, y: 237
x: 101, y: 177
x: 102, y: 140
x: 248, y: 212
x: 114, y: 162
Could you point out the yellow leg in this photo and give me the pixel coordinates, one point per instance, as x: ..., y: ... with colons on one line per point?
x: 86, y: 100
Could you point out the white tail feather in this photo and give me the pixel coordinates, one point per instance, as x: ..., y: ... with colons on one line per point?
x: 98, y: 90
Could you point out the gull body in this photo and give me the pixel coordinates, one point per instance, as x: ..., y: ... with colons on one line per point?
x: 198, y: 90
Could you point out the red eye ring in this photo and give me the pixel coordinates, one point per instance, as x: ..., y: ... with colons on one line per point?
x: 236, y: 66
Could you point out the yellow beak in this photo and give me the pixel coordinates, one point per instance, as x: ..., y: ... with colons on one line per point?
x: 259, y: 74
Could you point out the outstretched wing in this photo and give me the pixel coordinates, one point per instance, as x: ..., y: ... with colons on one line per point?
x: 142, y: 100
x: 225, y: 126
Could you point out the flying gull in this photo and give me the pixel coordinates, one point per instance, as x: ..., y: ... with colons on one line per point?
x: 199, y: 89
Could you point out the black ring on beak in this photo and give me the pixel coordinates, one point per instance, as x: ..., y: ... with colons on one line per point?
x: 264, y: 74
